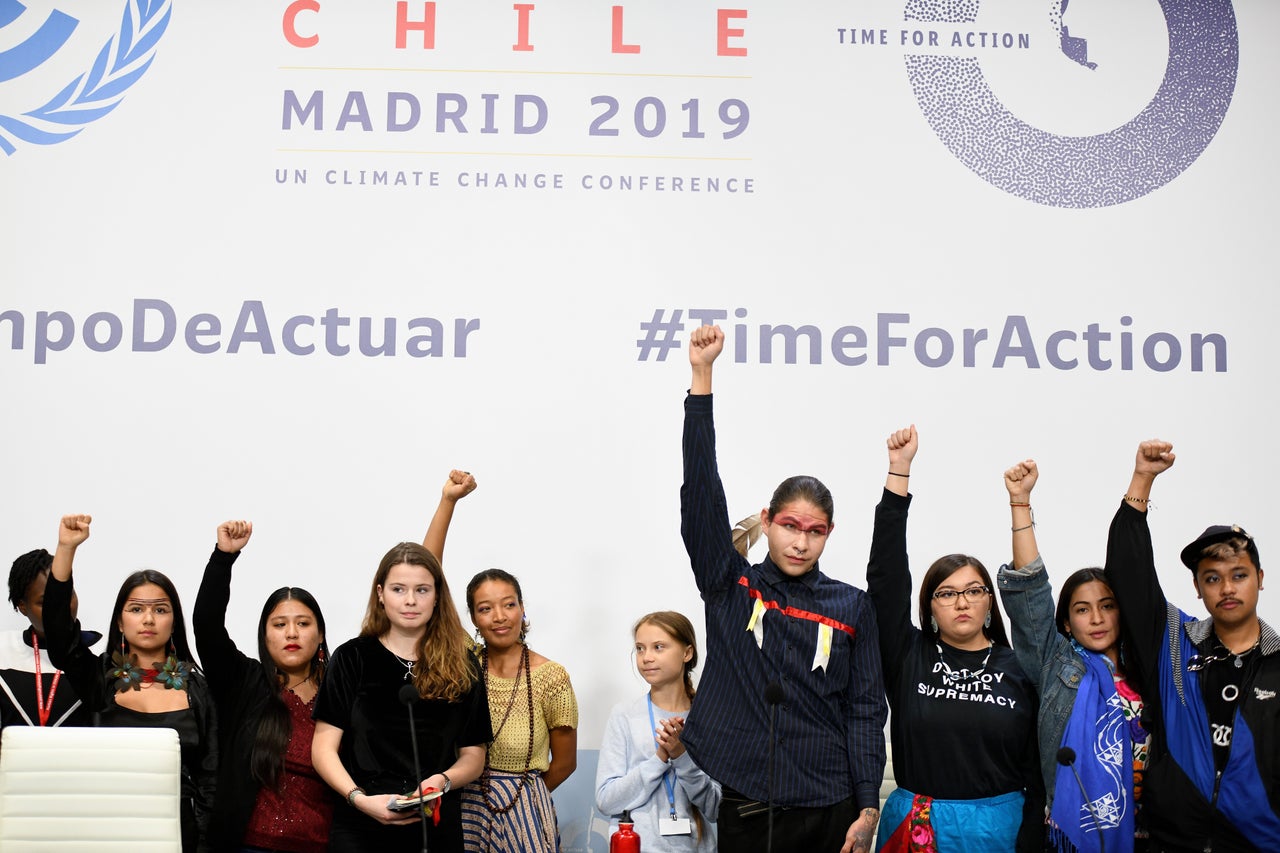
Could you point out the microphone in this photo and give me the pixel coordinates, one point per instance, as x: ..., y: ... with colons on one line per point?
x: 1067, y: 758
x: 408, y: 697
x: 774, y: 696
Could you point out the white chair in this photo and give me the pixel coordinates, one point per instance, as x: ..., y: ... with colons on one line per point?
x: 84, y: 790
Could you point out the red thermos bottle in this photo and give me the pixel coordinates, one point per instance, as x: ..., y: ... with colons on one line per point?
x: 625, y: 839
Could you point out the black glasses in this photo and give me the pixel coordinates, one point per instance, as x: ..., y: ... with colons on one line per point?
x: 949, y: 597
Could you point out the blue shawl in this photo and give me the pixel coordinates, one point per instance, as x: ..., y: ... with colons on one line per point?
x: 1099, y: 734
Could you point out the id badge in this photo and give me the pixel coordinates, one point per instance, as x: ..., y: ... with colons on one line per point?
x: 675, y: 826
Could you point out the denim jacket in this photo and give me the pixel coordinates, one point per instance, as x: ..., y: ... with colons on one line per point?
x: 1041, y: 649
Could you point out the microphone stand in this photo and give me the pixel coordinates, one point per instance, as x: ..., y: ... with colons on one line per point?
x: 1067, y: 758
x: 409, y: 696
x: 773, y: 697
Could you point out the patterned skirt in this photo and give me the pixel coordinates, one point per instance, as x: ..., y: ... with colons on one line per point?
x: 529, y: 826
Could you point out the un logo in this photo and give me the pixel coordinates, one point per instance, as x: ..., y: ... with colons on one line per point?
x: 27, y: 44
x: 1137, y: 157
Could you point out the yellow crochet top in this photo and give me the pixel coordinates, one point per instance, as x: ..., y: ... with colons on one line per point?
x: 554, y: 705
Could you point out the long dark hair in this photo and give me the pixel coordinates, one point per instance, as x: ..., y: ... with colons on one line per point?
x: 275, y: 728
x: 945, y: 567
x: 1062, y: 615
x: 179, y: 636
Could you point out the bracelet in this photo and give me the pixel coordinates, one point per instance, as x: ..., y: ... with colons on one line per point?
x: 448, y: 783
x: 1015, y: 503
x: 896, y: 474
x: 1023, y: 527
x: 351, y: 796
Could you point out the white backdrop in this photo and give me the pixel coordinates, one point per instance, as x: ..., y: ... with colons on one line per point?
x: 1075, y: 196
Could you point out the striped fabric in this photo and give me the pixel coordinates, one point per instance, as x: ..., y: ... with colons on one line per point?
x: 528, y: 827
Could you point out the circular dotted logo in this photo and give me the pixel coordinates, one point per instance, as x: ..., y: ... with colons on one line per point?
x: 1123, y: 164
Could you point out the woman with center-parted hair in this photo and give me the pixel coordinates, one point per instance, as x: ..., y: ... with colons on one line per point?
x: 269, y: 794
x: 963, y: 721
x: 147, y: 676
x: 411, y: 636
x: 1089, y: 702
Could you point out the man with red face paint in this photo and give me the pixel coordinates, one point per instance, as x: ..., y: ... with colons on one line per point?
x: 1211, y: 686
x: 782, y: 638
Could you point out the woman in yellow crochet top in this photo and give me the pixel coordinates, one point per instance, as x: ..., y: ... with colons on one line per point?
x: 535, y: 721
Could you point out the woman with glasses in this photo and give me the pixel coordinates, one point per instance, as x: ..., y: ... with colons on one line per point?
x: 963, y: 721
x: 1087, y: 704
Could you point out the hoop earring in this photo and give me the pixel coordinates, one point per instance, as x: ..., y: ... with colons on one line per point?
x: 986, y: 623
x: 933, y: 623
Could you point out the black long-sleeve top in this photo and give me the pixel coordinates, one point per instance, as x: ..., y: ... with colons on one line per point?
x: 953, y: 738
x: 88, y: 674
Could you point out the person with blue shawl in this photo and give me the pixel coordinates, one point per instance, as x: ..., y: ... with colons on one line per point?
x: 1087, y: 704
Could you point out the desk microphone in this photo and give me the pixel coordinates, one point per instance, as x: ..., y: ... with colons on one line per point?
x: 1067, y: 758
x: 409, y: 696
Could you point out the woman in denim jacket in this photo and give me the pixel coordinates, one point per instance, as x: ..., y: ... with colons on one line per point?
x: 1089, y: 713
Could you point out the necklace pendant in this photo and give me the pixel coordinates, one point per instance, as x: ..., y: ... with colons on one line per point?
x: 1239, y: 663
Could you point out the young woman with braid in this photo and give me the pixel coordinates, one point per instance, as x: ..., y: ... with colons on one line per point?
x: 644, y: 768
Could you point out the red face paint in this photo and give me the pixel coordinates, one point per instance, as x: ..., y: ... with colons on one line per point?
x: 812, y: 525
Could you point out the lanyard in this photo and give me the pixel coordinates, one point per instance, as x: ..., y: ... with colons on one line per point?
x: 44, y: 709
x: 669, y: 775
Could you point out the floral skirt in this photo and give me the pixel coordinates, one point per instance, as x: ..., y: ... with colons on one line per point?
x: 529, y: 826
x: 914, y: 823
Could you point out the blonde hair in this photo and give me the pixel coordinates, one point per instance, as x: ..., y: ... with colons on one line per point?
x: 448, y: 669
x: 680, y: 629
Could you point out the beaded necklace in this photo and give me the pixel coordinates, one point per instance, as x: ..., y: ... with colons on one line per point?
x: 528, y: 759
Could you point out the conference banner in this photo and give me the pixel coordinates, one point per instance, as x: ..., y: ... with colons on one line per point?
x: 294, y: 260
